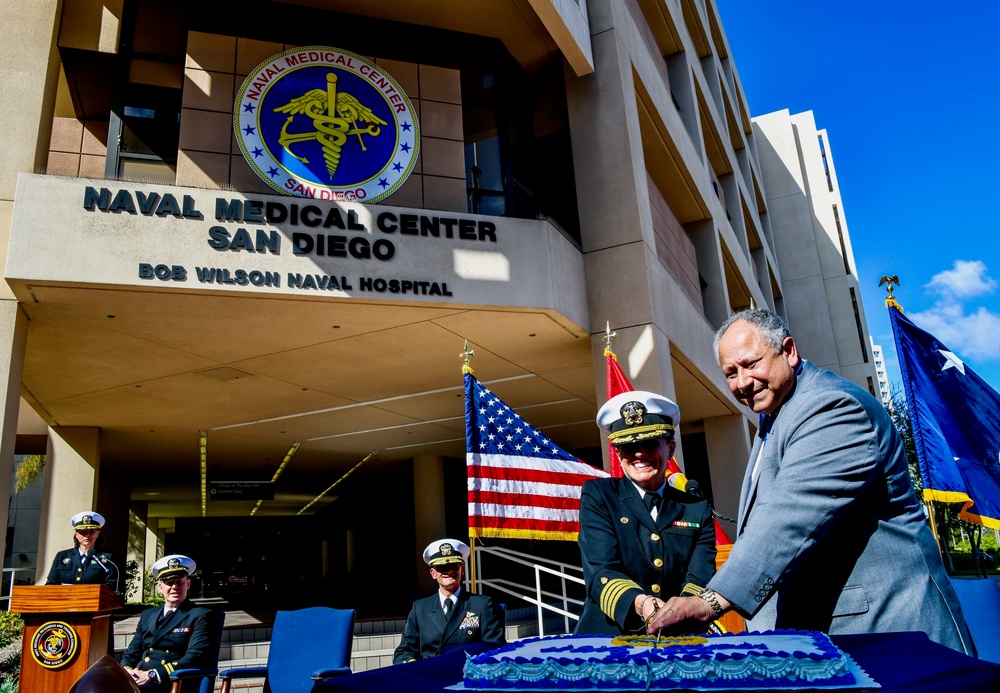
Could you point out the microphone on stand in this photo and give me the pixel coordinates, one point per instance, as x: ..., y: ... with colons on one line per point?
x: 104, y: 562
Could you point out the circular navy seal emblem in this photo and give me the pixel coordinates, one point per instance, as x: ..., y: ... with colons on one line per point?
x: 323, y: 123
x: 55, y: 645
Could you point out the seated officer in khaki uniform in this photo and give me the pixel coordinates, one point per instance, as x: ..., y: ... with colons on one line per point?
x: 450, y: 616
x: 177, y: 635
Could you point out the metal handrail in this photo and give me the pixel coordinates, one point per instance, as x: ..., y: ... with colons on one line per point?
x: 560, y: 570
x: 7, y: 586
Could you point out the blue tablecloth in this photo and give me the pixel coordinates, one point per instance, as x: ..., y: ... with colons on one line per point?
x: 898, y: 661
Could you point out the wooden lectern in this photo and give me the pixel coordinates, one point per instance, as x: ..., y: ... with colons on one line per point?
x: 65, y: 631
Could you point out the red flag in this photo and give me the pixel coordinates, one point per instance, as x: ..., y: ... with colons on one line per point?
x: 721, y: 538
x: 618, y: 383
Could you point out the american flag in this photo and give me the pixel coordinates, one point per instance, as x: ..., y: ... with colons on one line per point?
x: 521, y: 484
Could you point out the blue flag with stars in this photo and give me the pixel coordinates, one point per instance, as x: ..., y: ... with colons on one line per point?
x: 955, y: 416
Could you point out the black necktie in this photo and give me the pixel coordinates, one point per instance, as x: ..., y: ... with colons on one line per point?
x: 447, y: 607
x: 164, y: 615
x: 652, y: 502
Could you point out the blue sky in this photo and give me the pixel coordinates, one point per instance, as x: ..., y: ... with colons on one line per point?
x: 909, y: 96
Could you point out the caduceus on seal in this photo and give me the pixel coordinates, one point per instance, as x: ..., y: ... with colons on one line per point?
x: 335, y: 117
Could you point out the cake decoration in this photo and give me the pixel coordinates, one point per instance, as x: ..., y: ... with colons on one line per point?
x: 771, y: 659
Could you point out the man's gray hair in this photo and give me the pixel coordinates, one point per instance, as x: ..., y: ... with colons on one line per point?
x: 771, y: 327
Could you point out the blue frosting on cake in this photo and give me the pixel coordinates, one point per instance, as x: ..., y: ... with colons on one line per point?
x: 772, y: 659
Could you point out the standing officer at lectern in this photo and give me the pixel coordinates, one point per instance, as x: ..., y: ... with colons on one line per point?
x: 85, y: 563
x: 177, y: 635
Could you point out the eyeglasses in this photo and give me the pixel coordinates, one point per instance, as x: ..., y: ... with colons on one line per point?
x: 448, y: 568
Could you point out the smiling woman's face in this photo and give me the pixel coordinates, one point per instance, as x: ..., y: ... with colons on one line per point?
x: 645, y: 462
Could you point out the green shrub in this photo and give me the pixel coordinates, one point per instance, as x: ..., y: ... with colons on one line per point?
x: 150, y: 595
x: 11, y: 627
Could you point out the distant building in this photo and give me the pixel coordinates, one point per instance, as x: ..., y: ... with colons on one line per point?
x: 819, y: 290
x: 201, y: 356
x: 884, y: 391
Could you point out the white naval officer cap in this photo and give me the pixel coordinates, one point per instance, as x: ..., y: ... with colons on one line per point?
x: 445, y: 551
x: 88, y: 519
x: 173, y: 566
x: 638, y: 415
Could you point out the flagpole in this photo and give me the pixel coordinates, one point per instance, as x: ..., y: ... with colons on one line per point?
x: 930, y: 514
x: 890, y: 282
x: 467, y: 354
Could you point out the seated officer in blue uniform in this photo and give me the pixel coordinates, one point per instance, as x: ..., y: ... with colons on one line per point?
x: 85, y: 563
x: 450, y: 616
x: 642, y: 541
x: 176, y: 635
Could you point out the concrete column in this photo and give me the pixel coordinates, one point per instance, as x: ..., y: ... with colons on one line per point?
x: 113, y: 497
x: 643, y: 353
x: 72, y: 463
x: 136, y: 550
x: 29, y: 69
x: 604, y: 120
x: 428, y: 507
x: 727, y: 439
x: 13, y: 335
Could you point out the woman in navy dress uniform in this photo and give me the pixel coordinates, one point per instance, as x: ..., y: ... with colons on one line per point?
x: 85, y: 563
x: 642, y: 541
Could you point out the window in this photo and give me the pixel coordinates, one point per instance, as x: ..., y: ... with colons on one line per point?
x: 146, y: 129
x: 484, y: 177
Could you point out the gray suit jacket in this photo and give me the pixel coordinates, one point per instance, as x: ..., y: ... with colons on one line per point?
x: 830, y: 535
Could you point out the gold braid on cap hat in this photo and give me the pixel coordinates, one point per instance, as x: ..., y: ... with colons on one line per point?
x: 627, y: 435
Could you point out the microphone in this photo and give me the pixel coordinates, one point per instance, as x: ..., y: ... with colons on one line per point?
x: 104, y: 560
x: 693, y: 487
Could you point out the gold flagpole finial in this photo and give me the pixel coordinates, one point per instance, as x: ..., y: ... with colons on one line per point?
x: 889, y: 281
x: 608, y: 336
x: 753, y: 306
x: 466, y: 354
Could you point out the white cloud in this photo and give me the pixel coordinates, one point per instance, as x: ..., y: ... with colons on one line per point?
x: 973, y: 336
x: 966, y: 279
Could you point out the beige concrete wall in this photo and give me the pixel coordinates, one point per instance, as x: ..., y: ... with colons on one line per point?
x: 818, y: 275
x: 728, y: 441
x: 209, y: 155
x: 93, y: 25
x: 428, y: 505
x: 72, y: 465
x: 13, y: 338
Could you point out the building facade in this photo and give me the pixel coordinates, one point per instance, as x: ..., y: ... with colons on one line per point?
x: 272, y: 383
x: 884, y: 390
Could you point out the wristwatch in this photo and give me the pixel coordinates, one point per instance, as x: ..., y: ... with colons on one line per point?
x: 712, y: 597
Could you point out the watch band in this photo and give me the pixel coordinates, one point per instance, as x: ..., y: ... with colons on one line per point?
x: 710, y: 596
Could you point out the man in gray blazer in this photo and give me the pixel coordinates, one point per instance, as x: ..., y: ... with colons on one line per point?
x: 830, y: 535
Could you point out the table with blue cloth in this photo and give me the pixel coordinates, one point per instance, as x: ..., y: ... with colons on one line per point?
x: 897, y: 661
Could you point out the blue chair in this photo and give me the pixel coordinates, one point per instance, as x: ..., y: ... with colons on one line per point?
x: 980, y: 600
x: 308, y: 647
x: 202, y: 680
